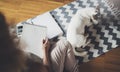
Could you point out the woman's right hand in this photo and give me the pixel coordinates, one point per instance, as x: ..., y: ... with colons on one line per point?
x: 46, y: 45
x: 46, y: 61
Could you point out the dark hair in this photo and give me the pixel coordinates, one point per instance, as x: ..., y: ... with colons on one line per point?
x: 12, y: 59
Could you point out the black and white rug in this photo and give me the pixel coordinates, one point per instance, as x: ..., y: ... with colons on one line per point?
x: 104, y: 36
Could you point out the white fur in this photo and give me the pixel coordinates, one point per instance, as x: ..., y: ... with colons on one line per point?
x: 75, y: 30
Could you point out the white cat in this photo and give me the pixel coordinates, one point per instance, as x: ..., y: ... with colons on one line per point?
x: 76, y: 28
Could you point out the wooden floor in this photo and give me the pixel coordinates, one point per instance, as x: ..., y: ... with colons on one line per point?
x: 109, y: 62
x: 19, y: 10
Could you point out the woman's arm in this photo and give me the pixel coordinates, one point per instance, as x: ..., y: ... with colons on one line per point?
x: 46, y: 60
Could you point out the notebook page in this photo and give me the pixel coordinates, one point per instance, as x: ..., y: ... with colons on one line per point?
x: 47, y: 20
x: 32, y: 37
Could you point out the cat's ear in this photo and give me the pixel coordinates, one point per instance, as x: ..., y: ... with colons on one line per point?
x: 97, y: 8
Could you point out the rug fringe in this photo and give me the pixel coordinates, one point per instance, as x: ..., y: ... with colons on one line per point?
x: 113, y: 8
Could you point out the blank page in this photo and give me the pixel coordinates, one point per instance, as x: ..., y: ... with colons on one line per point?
x: 47, y: 20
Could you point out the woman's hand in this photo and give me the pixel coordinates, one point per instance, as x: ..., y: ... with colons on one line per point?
x: 46, y: 45
x: 46, y: 61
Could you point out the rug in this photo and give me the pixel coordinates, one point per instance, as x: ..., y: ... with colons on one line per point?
x: 104, y: 36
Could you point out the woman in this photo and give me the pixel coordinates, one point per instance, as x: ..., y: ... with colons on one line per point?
x: 12, y: 59
x: 57, y: 58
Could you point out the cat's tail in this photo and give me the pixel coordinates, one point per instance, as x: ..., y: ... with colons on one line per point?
x: 80, y: 52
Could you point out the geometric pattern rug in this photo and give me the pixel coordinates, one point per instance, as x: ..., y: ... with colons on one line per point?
x: 103, y: 37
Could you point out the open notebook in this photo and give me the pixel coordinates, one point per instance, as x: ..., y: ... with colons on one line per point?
x: 46, y: 20
x: 32, y: 37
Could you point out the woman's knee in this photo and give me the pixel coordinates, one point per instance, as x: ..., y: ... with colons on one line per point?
x: 64, y: 44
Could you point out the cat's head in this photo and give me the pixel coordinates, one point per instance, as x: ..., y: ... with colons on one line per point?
x: 95, y: 15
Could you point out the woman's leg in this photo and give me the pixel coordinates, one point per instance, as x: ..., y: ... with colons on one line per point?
x: 62, y: 57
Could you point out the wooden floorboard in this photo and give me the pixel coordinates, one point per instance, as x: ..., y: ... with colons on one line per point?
x: 20, y: 10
